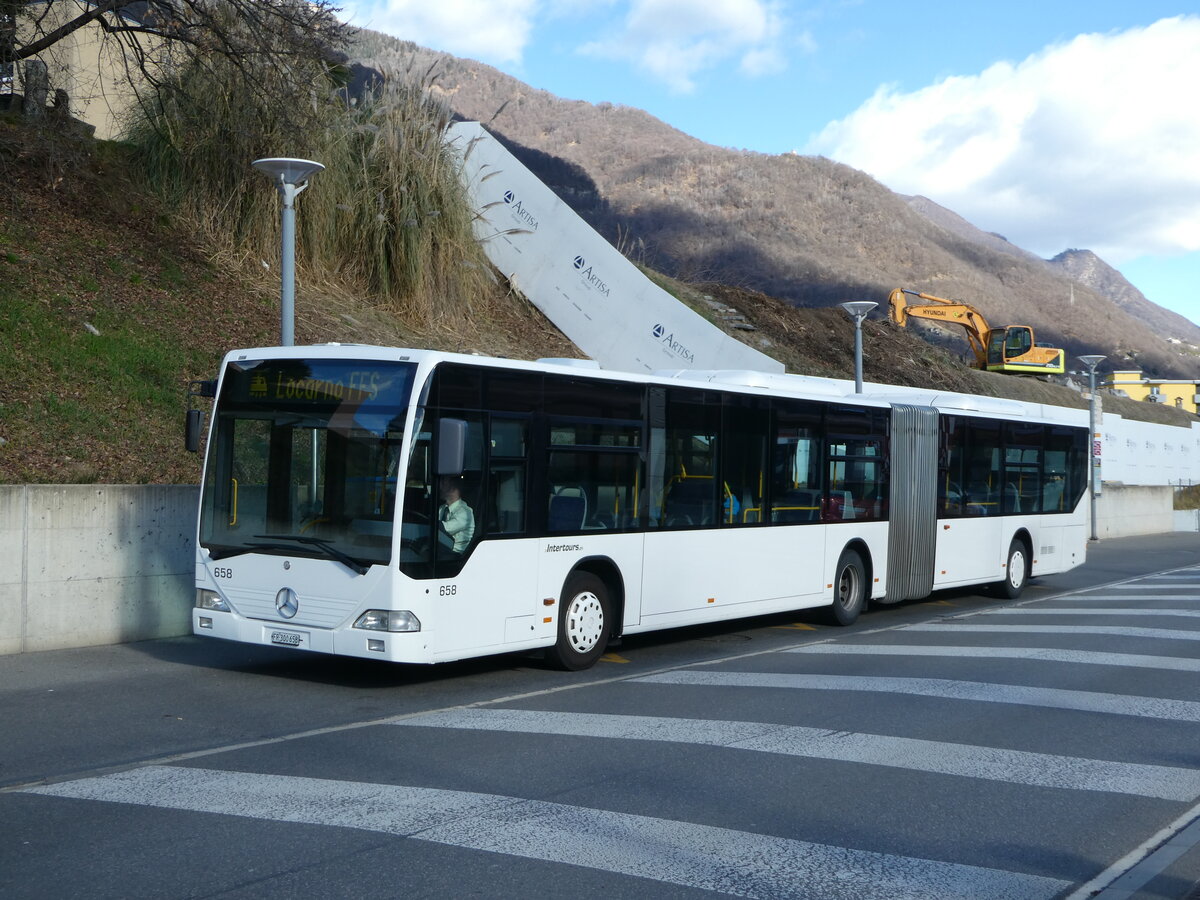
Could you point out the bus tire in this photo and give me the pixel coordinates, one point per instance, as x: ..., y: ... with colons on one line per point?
x: 1016, y: 571
x: 584, y: 623
x: 849, y: 589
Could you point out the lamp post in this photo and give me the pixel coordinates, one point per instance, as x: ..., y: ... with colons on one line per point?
x: 290, y: 177
x: 1091, y: 361
x: 858, y: 310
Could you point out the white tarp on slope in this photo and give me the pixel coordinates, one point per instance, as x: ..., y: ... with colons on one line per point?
x: 595, y: 296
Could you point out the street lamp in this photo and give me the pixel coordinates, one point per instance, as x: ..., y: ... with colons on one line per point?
x: 290, y: 177
x: 1091, y: 361
x: 858, y: 310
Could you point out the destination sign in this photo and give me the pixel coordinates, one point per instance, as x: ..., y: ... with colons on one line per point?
x: 318, y: 382
x: 352, y: 386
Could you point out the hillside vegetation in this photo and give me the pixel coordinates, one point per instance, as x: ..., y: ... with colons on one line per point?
x: 116, y: 291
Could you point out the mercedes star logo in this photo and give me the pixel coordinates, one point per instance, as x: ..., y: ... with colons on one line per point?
x: 287, y: 603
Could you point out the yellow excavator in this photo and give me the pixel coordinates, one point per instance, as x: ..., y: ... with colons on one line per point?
x: 1011, y: 349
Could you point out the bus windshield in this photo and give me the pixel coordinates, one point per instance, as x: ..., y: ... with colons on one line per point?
x: 304, y: 458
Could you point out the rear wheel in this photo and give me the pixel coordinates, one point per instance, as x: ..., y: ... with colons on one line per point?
x: 584, y: 623
x: 849, y: 588
x: 1016, y: 571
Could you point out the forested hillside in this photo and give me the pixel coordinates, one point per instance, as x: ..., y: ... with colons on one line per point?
x: 804, y: 229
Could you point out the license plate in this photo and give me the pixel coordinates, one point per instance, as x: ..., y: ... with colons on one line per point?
x: 287, y: 638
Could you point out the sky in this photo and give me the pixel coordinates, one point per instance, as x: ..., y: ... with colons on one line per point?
x: 1058, y: 124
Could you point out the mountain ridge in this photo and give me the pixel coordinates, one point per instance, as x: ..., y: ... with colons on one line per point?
x: 809, y: 230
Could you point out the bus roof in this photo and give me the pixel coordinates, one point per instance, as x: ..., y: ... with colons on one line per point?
x: 741, y: 381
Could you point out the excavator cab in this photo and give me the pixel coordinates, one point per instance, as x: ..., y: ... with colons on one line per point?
x: 1013, y: 349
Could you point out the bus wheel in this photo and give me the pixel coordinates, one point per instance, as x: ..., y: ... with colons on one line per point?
x: 849, y: 588
x: 1016, y: 573
x: 583, y: 623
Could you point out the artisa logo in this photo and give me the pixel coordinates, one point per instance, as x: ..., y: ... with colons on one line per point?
x: 668, y: 341
x: 594, y: 281
x: 520, y: 213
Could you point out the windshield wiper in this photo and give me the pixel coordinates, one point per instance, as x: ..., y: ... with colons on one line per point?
x: 340, y: 555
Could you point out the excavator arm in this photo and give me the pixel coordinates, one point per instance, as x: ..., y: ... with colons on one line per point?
x: 951, y: 312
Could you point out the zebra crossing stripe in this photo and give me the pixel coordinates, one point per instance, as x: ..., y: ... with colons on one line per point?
x: 1149, y: 585
x: 1157, y: 633
x: 1054, y: 698
x: 991, y: 763
x: 1042, y: 654
x: 1123, y: 598
x: 705, y: 857
x: 1089, y: 611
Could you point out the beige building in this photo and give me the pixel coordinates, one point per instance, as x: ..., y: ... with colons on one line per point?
x: 1136, y: 386
x: 87, y: 64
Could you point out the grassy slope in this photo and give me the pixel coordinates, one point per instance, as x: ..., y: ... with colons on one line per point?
x: 80, y: 247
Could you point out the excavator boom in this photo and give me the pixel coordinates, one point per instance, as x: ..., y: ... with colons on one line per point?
x: 1011, y: 349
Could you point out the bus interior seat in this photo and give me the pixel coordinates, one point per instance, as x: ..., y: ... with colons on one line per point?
x: 690, y: 502
x: 1052, y: 496
x: 795, y: 506
x: 568, y: 509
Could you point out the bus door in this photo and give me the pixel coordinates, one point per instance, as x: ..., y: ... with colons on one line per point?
x: 912, y: 533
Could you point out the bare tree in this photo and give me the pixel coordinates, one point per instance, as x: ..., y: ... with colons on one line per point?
x: 155, y: 38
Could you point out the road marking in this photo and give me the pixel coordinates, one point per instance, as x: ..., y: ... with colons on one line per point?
x: 1041, y: 654
x: 1091, y: 611
x: 1148, y: 585
x: 943, y: 758
x: 1054, y: 698
x: 1157, y: 633
x: 613, y: 658
x: 682, y: 853
x: 1122, y: 598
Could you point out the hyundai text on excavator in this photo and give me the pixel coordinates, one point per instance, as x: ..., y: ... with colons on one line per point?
x: 1010, y: 349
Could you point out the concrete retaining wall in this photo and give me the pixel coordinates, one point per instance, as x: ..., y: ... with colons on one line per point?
x: 1187, y: 520
x: 1126, y: 510
x: 83, y: 565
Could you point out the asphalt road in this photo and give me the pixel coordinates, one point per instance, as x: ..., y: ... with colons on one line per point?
x: 958, y: 746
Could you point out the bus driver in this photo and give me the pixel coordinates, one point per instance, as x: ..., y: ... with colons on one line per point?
x: 455, y: 517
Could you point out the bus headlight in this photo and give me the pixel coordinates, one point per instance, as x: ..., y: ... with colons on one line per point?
x: 388, y: 620
x: 210, y: 600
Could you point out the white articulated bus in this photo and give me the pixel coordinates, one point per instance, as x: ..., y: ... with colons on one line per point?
x: 419, y: 506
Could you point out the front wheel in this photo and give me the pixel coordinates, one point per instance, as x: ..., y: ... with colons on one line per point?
x: 849, y: 588
x: 1016, y: 571
x: 584, y: 623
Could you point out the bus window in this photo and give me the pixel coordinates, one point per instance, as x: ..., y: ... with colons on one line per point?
x: 423, y: 538
x: 857, y: 488
x: 951, y: 497
x: 743, y: 461
x: 592, y: 490
x: 796, y: 465
x: 507, y: 469
x: 1022, y: 467
x: 689, y: 497
x: 1065, y: 472
x: 982, y: 469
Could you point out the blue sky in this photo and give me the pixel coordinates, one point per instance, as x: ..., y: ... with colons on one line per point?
x: 1059, y: 124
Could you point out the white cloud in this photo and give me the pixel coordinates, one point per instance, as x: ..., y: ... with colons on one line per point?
x: 492, y: 31
x: 1090, y: 143
x: 676, y: 40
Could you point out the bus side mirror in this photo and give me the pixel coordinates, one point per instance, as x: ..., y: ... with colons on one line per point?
x: 452, y: 446
x: 191, y: 430
x: 194, y: 423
